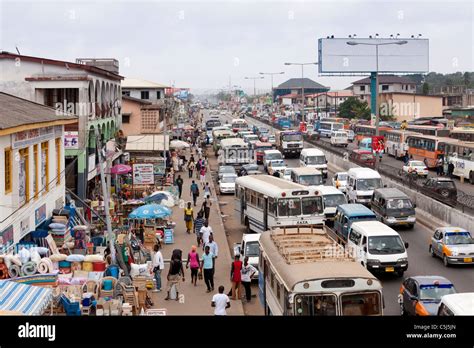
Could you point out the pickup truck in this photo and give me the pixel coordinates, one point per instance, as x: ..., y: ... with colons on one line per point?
x: 249, y: 247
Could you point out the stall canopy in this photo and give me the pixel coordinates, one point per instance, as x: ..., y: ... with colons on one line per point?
x: 149, y: 142
x: 150, y: 211
x: 23, y: 298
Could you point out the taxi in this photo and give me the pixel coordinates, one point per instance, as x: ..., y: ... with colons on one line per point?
x: 454, y: 245
x: 421, y: 295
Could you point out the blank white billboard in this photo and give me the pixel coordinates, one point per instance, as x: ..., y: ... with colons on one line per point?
x: 337, y: 56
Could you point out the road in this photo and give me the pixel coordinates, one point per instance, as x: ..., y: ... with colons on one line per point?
x: 420, y: 261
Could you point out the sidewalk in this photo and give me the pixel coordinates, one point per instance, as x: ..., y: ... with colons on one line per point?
x: 196, y: 300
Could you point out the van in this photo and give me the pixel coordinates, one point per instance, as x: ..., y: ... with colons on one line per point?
x: 339, y: 138
x: 346, y: 214
x: 378, y: 247
x: 250, y: 247
x: 457, y: 304
x: 314, y: 158
x: 306, y: 176
x: 361, y: 183
x: 393, y: 207
x: 332, y: 198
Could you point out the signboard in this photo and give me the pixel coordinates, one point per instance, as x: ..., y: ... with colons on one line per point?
x: 159, y: 168
x: 71, y: 140
x: 143, y: 174
x: 24, y: 227
x: 378, y: 144
x: 6, y: 239
x: 169, y: 238
x: 91, y: 167
x: 40, y: 214
x: 337, y: 56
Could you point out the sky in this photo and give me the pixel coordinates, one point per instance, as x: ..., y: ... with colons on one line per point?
x: 213, y: 44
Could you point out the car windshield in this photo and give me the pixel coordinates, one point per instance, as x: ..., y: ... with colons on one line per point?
x: 251, y: 167
x: 435, y: 292
x: 271, y: 138
x: 252, y: 249
x: 316, y: 160
x: 314, y: 179
x: 417, y: 164
x: 386, y: 245
x: 263, y: 148
x: 289, y: 207
x: 368, y: 184
x: 366, y: 157
x: 361, y: 304
x: 458, y: 238
x: 399, y: 204
x: 334, y: 200
x: 278, y: 164
x: 446, y: 184
x: 228, y: 179
x: 273, y: 156
x: 226, y: 170
x: 337, y: 126
x: 292, y: 137
x: 342, y: 177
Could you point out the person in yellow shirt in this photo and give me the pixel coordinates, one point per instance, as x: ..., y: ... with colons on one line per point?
x: 188, y: 217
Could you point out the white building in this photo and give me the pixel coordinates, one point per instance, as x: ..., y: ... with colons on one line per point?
x: 32, y: 179
x: 387, y: 84
x: 143, y: 89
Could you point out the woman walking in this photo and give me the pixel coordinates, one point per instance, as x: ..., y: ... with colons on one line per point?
x: 191, y: 167
x: 203, y: 176
x: 193, y: 263
x: 188, y: 217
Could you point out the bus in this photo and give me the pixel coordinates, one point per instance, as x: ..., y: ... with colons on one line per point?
x: 304, y: 272
x: 464, y: 134
x: 212, y: 123
x: 429, y: 130
x: 234, y: 151
x: 425, y: 148
x: 395, y: 142
x: 218, y: 135
x: 265, y: 201
x: 345, y: 121
x: 239, y: 124
x: 326, y: 128
x: 461, y: 154
x: 363, y: 131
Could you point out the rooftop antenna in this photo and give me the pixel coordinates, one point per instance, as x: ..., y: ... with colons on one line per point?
x: 18, y: 50
x: 419, y: 35
x: 398, y: 34
x: 391, y: 36
x: 376, y: 35
x: 354, y: 35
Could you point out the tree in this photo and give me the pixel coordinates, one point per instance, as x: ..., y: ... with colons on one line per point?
x: 353, y: 107
x: 426, y: 88
x: 467, y: 78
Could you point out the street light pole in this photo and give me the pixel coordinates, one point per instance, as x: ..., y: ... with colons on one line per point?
x: 254, y: 78
x: 271, y: 76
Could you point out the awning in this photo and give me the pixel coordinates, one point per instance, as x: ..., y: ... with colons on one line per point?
x: 23, y: 298
x: 150, y: 142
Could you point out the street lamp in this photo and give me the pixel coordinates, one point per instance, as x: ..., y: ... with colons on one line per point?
x: 302, y: 84
x: 271, y: 74
x: 254, y: 78
x: 354, y: 43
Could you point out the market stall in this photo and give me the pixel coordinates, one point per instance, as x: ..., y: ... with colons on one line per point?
x: 23, y: 298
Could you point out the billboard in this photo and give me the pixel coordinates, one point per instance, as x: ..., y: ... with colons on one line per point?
x: 337, y: 56
x: 143, y: 174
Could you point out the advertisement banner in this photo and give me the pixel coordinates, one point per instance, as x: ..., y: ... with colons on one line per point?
x: 40, y: 215
x: 143, y: 174
x: 71, y: 140
x: 378, y: 143
x: 6, y: 239
x: 24, y: 227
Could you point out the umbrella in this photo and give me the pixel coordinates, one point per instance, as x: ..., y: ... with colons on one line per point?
x: 179, y: 144
x: 133, y: 202
x: 161, y: 197
x: 120, y: 169
x: 150, y: 211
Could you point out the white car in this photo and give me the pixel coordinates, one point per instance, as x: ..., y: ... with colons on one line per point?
x: 417, y: 167
x: 271, y: 139
x: 341, y: 179
x: 270, y: 155
x: 227, y: 183
x: 339, y: 138
x: 350, y: 135
x: 287, y: 174
x: 276, y: 166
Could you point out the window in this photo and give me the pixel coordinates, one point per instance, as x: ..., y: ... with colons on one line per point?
x: 45, y: 166
x: 125, y: 118
x: 8, y: 170
x: 272, y: 279
x: 311, y: 205
x: 289, y: 207
x: 355, y: 237
x: 158, y: 95
x: 272, y: 207
x: 278, y: 290
x: 384, y: 87
x: 24, y: 177
x: 127, y: 93
x: 35, y: 170
x: 57, y: 144
x: 362, y: 88
x: 145, y: 95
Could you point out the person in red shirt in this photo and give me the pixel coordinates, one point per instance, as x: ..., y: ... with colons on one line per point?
x: 235, y: 276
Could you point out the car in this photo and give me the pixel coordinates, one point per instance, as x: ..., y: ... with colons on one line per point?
x: 454, y: 245
x: 350, y: 135
x: 457, y: 304
x: 445, y: 187
x: 246, y: 168
x: 269, y: 155
x: 362, y: 157
x: 225, y: 170
x: 271, y: 139
x: 227, y: 183
x: 421, y: 295
x: 244, y: 132
x: 416, y: 167
x: 287, y: 174
x: 339, y: 180
x: 277, y: 165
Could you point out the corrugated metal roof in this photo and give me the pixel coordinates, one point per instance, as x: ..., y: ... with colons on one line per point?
x: 149, y: 142
x: 386, y: 79
x: 297, y: 83
x: 139, y: 83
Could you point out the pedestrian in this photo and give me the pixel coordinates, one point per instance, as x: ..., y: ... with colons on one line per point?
x: 191, y: 167
x: 236, y: 276
x: 446, y: 168
x: 207, y: 190
x: 203, y: 176
x: 247, y: 273
x: 214, y: 248
x: 194, y: 192
x: 199, y: 149
x: 221, y: 302
x: 206, y: 231
x: 207, y: 265
x: 206, y: 207
x: 198, y: 223
x: 406, y: 158
x: 179, y: 183
x: 439, y: 166
x: 141, y: 232
x: 158, y: 266
x: 451, y: 169
x: 380, y: 156
x: 193, y: 263
x: 198, y: 168
x: 188, y: 217
x: 175, y: 273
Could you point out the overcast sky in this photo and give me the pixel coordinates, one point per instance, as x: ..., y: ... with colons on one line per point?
x: 201, y: 44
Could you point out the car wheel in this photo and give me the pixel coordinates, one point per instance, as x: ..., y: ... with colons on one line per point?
x: 445, y: 261
x: 444, y: 193
x: 432, y: 253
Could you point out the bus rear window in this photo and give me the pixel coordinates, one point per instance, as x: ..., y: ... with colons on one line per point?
x: 311, y: 205
x: 289, y: 207
x: 361, y: 304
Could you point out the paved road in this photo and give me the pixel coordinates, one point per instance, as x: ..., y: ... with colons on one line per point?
x: 420, y: 261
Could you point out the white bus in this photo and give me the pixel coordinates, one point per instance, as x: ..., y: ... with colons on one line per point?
x: 234, y: 151
x: 265, y: 201
x: 395, y: 142
x: 239, y: 124
x: 304, y: 272
x: 461, y: 153
x: 326, y: 128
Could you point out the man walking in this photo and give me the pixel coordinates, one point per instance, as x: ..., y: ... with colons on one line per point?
x: 214, y: 249
x: 207, y: 264
x: 221, y: 302
x: 179, y: 183
x: 247, y: 273
x: 198, y: 223
x: 158, y: 266
x: 439, y: 166
x: 206, y: 231
x: 451, y: 169
x: 194, y: 192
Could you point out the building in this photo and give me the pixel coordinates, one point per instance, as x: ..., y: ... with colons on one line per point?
x: 88, y: 88
x: 143, y: 89
x: 132, y: 115
x: 328, y: 100
x: 409, y: 106
x: 455, y: 97
x: 32, y: 179
x: 294, y: 87
x: 387, y: 84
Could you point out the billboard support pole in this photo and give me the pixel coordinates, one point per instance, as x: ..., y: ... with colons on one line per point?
x: 373, y: 99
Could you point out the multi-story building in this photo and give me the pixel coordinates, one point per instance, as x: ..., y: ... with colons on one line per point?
x: 293, y: 87
x: 387, y: 84
x: 143, y: 89
x: 328, y: 100
x: 88, y: 88
x: 32, y: 175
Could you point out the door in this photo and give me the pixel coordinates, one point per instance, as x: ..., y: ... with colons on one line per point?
x: 242, y: 206
x: 439, y: 244
x: 265, y: 214
x: 410, y: 291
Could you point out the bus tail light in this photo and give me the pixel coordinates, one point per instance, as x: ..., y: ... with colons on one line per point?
x: 283, y: 194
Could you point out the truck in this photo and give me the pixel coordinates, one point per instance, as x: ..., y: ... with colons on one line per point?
x: 289, y: 142
x: 249, y: 247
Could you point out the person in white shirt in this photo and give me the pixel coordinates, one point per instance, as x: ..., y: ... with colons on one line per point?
x: 247, y: 273
x: 214, y: 250
x: 206, y: 231
x: 158, y: 266
x: 221, y: 302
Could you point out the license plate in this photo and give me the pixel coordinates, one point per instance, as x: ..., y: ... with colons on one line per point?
x: 389, y: 269
x: 468, y: 259
x: 403, y: 223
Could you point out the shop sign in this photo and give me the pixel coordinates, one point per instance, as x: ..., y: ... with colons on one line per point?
x: 40, y: 215
x: 6, y: 239
x: 33, y: 136
x: 24, y: 227
x: 71, y: 140
x: 143, y: 174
